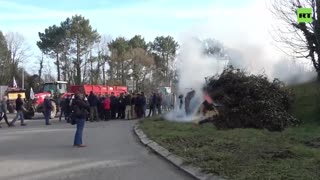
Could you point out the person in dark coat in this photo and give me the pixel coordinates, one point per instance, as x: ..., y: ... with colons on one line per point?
x: 158, y: 102
x: 68, y: 107
x: 80, y: 111
x: 3, y: 110
x: 121, y: 107
x: 138, y: 105
x: 187, y: 101
x: 62, y: 108
x: 113, y: 105
x: 152, y: 104
x: 180, y: 101
x: 47, y: 107
x: 19, y: 106
x: 128, y: 107
x: 101, y: 111
x: 133, y: 106
x: 93, y: 102
x: 144, y: 104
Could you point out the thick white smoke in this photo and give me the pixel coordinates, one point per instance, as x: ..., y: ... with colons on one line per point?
x: 248, y: 43
x: 193, y: 66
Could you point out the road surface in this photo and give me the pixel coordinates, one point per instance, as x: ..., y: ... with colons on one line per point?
x: 46, y: 153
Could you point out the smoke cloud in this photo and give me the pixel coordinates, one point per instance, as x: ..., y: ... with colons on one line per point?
x: 194, y: 66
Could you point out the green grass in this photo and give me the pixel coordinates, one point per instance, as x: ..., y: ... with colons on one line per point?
x: 248, y: 153
x: 307, y: 102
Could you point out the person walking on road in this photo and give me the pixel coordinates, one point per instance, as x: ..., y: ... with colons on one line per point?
x: 19, y: 106
x: 80, y: 109
x: 47, y: 109
x: 3, y: 110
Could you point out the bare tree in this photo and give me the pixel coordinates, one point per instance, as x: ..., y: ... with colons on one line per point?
x: 48, y: 72
x: 18, y: 48
x: 103, y: 55
x: 141, y: 65
x: 300, y: 40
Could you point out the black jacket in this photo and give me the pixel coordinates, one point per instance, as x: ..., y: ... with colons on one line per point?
x: 122, y: 102
x: 128, y: 100
x: 19, y: 104
x: 80, y: 108
x: 113, y: 102
x: 143, y: 100
x: 93, y: 100
x: 47, y: 104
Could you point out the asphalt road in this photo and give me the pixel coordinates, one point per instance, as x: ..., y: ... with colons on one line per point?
x: 44, y: 152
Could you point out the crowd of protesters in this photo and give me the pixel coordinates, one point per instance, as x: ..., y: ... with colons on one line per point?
x: 79, y: 108
x: 126, y: 106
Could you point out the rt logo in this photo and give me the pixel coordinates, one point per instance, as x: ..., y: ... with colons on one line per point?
x: 304, y: 15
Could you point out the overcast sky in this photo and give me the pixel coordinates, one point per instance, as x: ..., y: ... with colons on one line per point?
x: 235, y: 23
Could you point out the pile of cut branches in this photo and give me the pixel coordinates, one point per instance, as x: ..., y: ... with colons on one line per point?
x: 250, y: 101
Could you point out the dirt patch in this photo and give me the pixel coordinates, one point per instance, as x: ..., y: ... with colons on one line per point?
x: 279, y: 154
x: 315, y: 143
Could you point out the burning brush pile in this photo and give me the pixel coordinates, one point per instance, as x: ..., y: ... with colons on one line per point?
x: 250, y: 101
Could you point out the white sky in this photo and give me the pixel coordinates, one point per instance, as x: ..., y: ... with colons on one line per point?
x: 242, y: 26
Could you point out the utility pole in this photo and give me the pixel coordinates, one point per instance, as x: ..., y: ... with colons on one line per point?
x: 22, y: 78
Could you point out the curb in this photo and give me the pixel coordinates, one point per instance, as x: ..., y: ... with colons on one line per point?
x: 175, y: 160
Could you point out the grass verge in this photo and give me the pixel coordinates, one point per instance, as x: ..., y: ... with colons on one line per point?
x: 249, y: 153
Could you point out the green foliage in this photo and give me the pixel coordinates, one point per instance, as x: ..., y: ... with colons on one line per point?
x: 74, y: 37
x: 5, y: 61
x: 165, y: 46
x: 51, y: 41
x: 307, y: 102
x: 119, y: 47
x: 251, y: 101
x: 241, y: 154
x: 138, y: 42
x: 164, y: 50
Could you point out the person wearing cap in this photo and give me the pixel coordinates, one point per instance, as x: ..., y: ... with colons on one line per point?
x: 19, y: 108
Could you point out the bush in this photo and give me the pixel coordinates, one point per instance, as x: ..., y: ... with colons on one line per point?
x: 250, y: 101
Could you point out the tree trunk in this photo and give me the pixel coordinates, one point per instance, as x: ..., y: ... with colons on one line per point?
x: 78, y: 65
x: 40, y: 69
x: 97, y: 74
x: 122, y: 74
x: 58, y: 66
x: 318, y: 76
x: 91, y: 71
x: 104, y: 72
